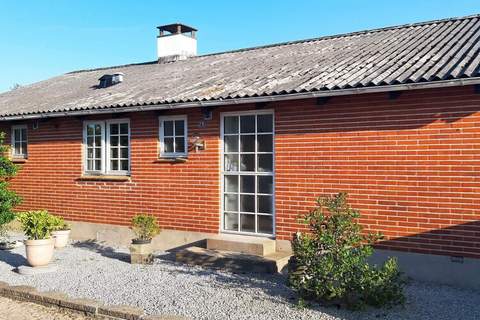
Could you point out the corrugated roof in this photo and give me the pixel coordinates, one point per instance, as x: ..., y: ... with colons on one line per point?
x: 408, y: 54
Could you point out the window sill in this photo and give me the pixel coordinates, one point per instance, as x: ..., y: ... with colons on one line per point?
x: 104, y: 178
x: 19, y: 160
x: 171, y: 160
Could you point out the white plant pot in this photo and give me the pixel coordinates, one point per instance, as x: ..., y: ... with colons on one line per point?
x: 39, y: 252
x: 61, y: 238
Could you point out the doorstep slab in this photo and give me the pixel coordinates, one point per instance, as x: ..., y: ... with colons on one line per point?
x: 232, y: 261
x: 242, y: 244
x: 31, y: 271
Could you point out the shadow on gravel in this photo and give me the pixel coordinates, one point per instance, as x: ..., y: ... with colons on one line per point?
x: 12, y: 258
x: 106, y: 251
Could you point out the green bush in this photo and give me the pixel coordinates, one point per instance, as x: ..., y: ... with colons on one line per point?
x: 37, y: 225
x: 59, y: 224
x: 8, y: 198
x: 330, y: 265
x: 145, y: 227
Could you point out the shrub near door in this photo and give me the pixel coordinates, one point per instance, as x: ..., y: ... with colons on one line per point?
x: 39, y: 245
x: 145, y: 228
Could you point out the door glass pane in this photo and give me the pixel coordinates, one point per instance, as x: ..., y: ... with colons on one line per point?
x: 265, y: 143
x: 231, y: 221
x: 168, y: 128
x: 247, y: 124
x: 247, y: 143
x: 265, y: 224
x: 231, y: 162
x: 247, y: 222
x: 247, y: 162
x: 265, y: 184
x: 231, y: 183
x: 265, y: 163
x: 231, y: 143
x: 231, y: 202
x: 265, y: 204
x: 247, y: 203
x: 265, y: 123
x: 179, y: 127
x: 231, y: 125
x: 247, y: 184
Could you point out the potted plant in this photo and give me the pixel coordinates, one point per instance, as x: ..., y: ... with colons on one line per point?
x: 61, y: 232
x: 39, y: 245
x: 145, y: 228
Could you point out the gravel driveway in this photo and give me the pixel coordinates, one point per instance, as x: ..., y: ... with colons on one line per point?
x: 92, y: 271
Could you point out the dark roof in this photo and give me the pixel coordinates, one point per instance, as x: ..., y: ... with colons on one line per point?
x: 418, y: 53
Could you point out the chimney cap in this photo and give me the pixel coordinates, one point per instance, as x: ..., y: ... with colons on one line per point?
x: 176, y: 28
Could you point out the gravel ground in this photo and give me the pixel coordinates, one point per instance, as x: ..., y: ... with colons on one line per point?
x: 19, y: 310
x: 92, y: 271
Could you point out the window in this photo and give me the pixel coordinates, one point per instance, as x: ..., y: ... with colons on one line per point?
x: 107, y: 147
x: 173, y: 136
x: 19, y: 141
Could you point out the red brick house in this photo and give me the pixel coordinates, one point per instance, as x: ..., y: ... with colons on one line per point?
x: 242, y: 142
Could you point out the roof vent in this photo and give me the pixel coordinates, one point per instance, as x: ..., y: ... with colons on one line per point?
x: 176, y: 42
x: 108, y: 80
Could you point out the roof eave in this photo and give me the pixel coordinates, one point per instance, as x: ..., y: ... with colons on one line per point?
x: 247, y: 100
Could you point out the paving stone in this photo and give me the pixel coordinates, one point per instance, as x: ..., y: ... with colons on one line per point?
x: 122, y: 312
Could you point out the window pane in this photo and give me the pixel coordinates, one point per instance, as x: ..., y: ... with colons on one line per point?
x: 89, y: 141
x: 124, y: 128
x: 265, y: 143
x: 114, y: 153
x: 89, y: 165
x: 124, y: 165
x: 247, y: 124
x: 114, y: 140
x: 265, y: 204
x: 265, y: 184
x: 231, y: 162
x: 179, y: 127
x: 98, y: 153
x: 124, y: 153
x: 180, y: 145
x: 124, y: 141
x: 231, y: 183
x: 89, y: 153
x: 231, y: 221
x: 168, y: 145
x: 114, y: 165
x: 113, y: 128
x: 231, y: 202
x: 18, y: 148
x: 231, y: 125
x: 98, y: 141
x: 98, y: 129
x: 168, y: 128
x: 247, y: 222
x: 247, y: 184
x: 247, y: 203
x: 24, y: 134
x: 247, y: 143
x: 265, y: 123
x: 265, y: 224
x: 90, y: 129
x: 98, y: 165
x: 265, y: 163
x: 231, y: 143
x: 247, y: 162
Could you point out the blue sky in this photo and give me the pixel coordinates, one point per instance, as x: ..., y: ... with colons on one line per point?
x: 40, y: 39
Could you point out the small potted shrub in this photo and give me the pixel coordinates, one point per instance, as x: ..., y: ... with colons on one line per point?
x: 39, y: 245
x: 61, y: 232
x: 145, y: 228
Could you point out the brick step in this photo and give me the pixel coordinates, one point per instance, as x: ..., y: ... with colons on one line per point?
x: 242, y: 244
x: 233, y: 261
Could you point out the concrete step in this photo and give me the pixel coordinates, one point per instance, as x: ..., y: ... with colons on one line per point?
x: 233, y: 261
x: 242, y: 244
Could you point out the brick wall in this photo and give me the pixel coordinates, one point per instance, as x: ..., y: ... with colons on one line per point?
x: 410, y: 164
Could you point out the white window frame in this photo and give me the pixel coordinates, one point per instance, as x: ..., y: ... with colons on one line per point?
x: 105, y: 154
x: 162, y: 119
x: 12, y: 142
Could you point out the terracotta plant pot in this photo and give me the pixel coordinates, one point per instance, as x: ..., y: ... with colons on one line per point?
x: 61, y: 238
x: 141, y: 252
x: 39, y: 252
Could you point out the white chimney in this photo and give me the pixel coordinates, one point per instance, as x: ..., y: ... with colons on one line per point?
x: 176, y: 42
